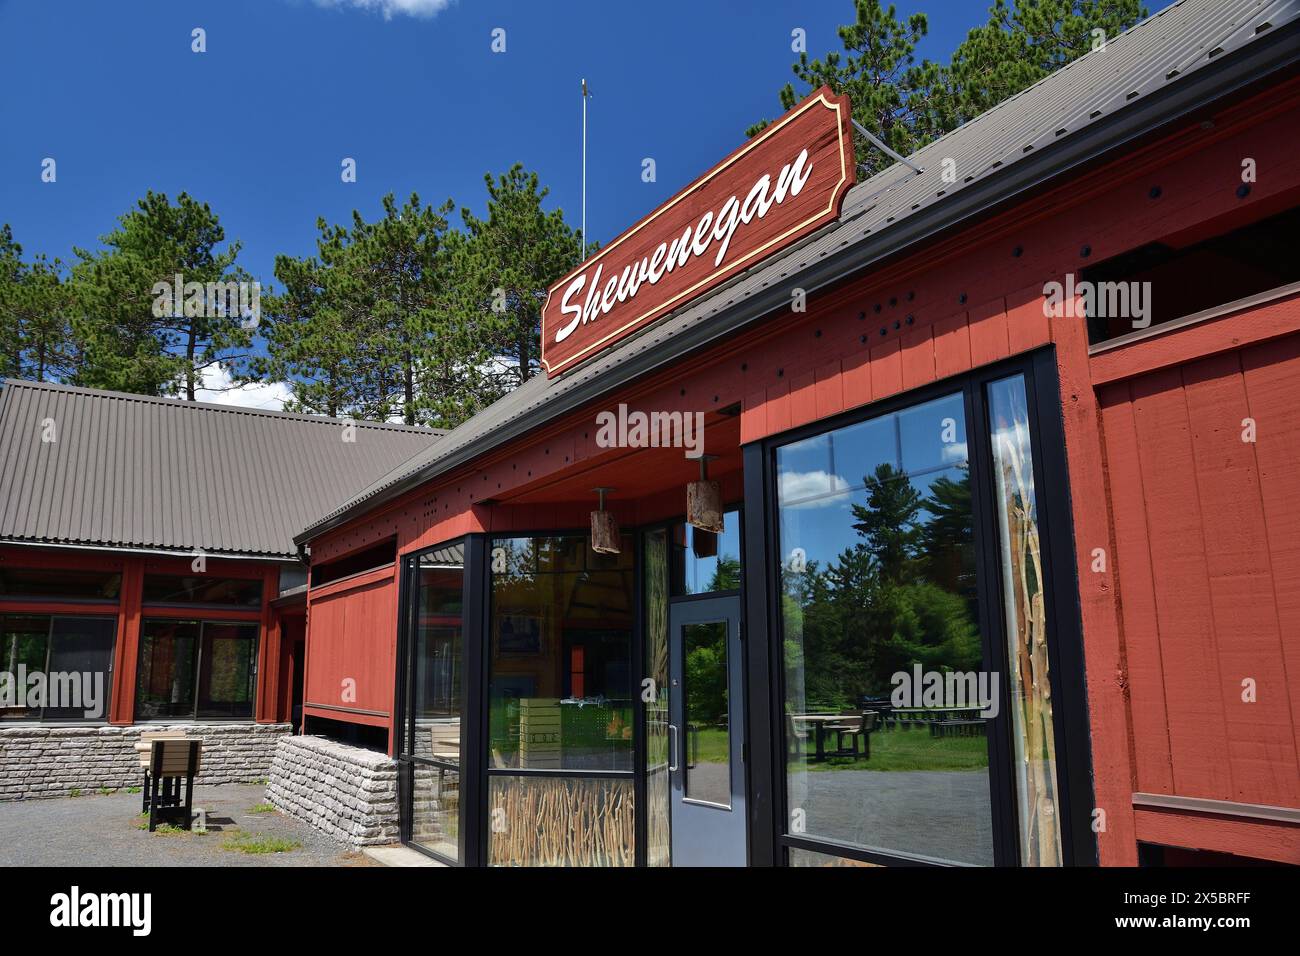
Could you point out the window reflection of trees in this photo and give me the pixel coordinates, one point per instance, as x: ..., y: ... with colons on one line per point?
x: 902, y: 593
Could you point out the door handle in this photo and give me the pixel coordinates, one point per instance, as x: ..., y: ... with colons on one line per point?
x: 673, y: 749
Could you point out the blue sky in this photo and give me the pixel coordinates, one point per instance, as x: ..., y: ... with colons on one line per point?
x: 258, y: 125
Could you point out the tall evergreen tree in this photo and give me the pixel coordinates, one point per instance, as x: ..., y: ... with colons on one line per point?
x: 126, y: 345
x: 367, y: 328
x: 37, y: 305
x: 509, y: 261
x: 11, y: 335
x: 907, y: 103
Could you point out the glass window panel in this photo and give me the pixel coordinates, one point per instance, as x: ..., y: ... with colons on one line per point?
x: 658, y: 793
x: 226, y: 675
x: 1026, y: 622
x: 52, y: 583
x: 877, y: 582
x: 804, y: 469
x: 25, y: 643
x: 437, y: 656
x: 560, y: 692
x: 561, y: 821
x: 708, y: 734
x: 165, y: 672
x: 704, y: 562
x: 933, y: 435
x: 81, y: 651
x: 435, y: 809
x: 202, y: 589
x: 860, y: 450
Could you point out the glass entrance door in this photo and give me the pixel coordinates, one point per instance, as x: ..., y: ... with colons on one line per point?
x: 706, y: 733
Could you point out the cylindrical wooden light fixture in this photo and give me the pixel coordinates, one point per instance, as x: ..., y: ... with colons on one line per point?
x: 604, y: 529
x: 704, y: 500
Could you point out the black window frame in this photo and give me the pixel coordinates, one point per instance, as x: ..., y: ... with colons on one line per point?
x: 770, y: 843
x: 49, y: 646
x: 637, y: 655
x: 471, y: 766
x: 194, y: 716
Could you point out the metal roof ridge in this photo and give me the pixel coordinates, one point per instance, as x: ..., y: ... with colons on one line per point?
x: 217, y: 407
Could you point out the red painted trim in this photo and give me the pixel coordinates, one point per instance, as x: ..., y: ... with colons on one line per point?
x: 1231, y: 331
x: 73, y: 608
x: 126, y: 655
x: 343, y: 585
x: 173, y: 612
x: 1256, y: 839
x: 265, y: 710
x: 370, y: 720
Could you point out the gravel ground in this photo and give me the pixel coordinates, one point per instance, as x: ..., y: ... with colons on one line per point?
x: 103, y: 830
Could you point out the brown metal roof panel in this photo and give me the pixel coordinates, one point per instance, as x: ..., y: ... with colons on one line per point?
x: 135, y: 471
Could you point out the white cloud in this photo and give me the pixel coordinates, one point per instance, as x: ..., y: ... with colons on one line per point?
x: 391, y: 8
x: 797, y: 485
x: 217, y: 386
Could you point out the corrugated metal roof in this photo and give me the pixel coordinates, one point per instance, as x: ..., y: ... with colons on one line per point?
x: 133, y: 471
x: 889, y: 211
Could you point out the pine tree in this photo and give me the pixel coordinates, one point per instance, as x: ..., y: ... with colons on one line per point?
x: 37, y: 305
x: 908, y: 103
x: 504, y: 269
x: 127, y: 346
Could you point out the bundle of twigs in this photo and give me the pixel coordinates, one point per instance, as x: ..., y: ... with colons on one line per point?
x: 562, y: 822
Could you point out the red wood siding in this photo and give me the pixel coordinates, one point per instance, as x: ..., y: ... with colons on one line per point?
x: 352, y: 645
x: 1207, y: 532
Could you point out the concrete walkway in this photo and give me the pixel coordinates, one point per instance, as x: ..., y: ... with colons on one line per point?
x: 105, y: 830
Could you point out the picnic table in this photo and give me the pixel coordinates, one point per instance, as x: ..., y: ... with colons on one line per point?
x: 821, y: 723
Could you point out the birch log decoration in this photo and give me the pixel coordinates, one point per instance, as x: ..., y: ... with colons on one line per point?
x: 562, y: 822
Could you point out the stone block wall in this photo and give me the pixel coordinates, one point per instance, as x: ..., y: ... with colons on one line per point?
x: 348, y: 793
x: 52, y: 760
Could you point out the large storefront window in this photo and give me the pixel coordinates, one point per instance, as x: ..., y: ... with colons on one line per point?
x: 917, y: 634
x: 560, y: 699
x: 878, y: 595
x: 73, y: 653
x: 437, y: 700
x: 195, y: 669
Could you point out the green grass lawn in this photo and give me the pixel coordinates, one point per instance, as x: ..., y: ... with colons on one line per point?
x: 910, y: 749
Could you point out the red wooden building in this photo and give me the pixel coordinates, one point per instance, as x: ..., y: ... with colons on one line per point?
x: 1017, y: 407
x: 941, y: 517
x: 147, y: 545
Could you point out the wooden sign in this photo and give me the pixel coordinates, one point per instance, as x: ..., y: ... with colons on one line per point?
x: 783, y: 184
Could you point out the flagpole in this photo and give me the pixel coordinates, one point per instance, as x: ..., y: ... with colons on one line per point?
x: 584, y: 168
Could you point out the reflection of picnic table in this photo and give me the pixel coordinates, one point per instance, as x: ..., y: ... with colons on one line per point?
x: 854, y: 725
x: 939, y: 721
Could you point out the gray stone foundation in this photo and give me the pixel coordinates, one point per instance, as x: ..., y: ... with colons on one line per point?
x: 52, y: 761
x: 347, y: 793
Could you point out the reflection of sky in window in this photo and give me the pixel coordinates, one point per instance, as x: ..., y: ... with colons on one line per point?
x: 826, y: 530
x: 814, y: 473
x: 699, y: 572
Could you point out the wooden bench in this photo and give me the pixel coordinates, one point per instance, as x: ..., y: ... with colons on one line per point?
x: 172, y: 760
